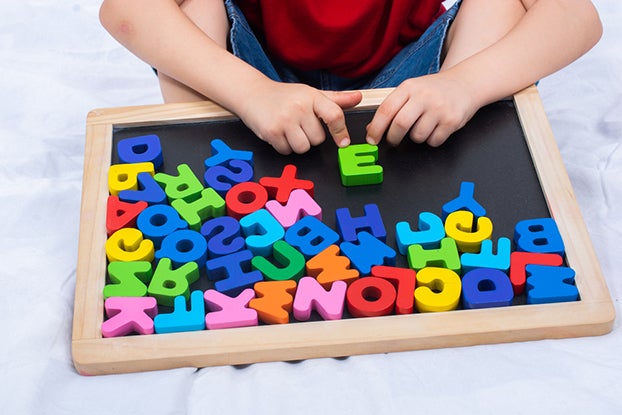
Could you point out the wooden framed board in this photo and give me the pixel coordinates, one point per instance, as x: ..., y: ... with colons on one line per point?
x: 507, y: 150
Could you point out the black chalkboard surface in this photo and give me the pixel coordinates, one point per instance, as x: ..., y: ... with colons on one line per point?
x: 489, y: 151
x: 507, y: 150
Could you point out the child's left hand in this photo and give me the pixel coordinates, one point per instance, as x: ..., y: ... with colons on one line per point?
x: 427, y: 109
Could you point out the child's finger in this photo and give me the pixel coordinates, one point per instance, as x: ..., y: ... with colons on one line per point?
x: 384, y: 115
x: 298, y: 141
x: 314, y: 130
x: 404, y: 121
x: 345, y: 99
x: 423, y: 128
x: 281, y: 145
x: 332, y: 115
x: 440, y: 134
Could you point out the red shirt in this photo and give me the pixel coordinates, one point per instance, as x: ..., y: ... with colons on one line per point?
x: 349, y: 38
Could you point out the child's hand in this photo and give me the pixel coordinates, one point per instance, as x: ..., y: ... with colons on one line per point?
x: 289, y: 116
x: 427, y: 109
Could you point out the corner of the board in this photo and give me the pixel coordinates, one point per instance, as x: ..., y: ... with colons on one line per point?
x: 93, y: 114
x: 77, y: 357
x: 606, y: 318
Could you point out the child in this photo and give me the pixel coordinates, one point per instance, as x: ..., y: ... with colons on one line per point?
x: 278, y: 64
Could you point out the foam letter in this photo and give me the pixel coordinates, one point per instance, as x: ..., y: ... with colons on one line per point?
x: 369, y: 251
x: 149, y: 191
x: 223, y: 236
x: 357, y: 165
x: 446, y: 256
x: 310, y: 296
x: 310, y: 236
x: 125, y: 176
x: 129, y: 279
x: 404, y: 281
x: 127, y: 244
x: 144, y: 148
x: 231, y: 272
x: 328, y: 266
x: 222, y: 178
x: 183, y: 186
x: 229, y: 312
x: 464, y: 201
x: 518, y: 262
x: 485, y: 287
x: 182, y: 319
x: 438, y: 289
x: 548, y: 284
x: 292, y: 260
x: 371, y: 222
x: 459, y: 225
x: 486, y: 258
x: 245, y: 198
x: 183, y: 246
x: 274, y: 301
x: 129, y: 315
x: 168, y: 283
x: 279, y: 188
x: 222, y: 153
x: 120, y: 214
x: 158, y: 221
x: 370, y: 297
x: 300, y: 204
x: 431, y: 231
x: 208, y: 205
x: 538, y: 235
x: 261, y: 230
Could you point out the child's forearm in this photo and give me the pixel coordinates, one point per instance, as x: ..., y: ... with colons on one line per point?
x: 161, y: 34
x: 551, y: 35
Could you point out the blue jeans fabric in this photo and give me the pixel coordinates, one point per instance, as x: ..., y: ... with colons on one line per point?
x: 421, y: 57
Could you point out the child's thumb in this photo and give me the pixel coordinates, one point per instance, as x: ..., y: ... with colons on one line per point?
x: 345, y: 99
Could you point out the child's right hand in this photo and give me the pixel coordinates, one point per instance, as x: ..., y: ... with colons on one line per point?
x: 289, y: 116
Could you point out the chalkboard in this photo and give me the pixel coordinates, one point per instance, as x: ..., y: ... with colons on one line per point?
x: 489, y: 151
x: 506, y: 150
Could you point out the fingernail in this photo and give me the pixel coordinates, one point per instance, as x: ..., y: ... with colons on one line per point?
x: 345, y: 142
x: 370, y: 140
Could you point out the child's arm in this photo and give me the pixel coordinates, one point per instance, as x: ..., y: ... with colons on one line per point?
x: 285, y: 115
x: 550, y: 35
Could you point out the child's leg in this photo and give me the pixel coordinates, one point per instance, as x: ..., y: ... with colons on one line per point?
x: 479, y: 24
x: 211, y: 17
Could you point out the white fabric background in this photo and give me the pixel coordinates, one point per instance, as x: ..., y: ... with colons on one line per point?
x: 57, y: 63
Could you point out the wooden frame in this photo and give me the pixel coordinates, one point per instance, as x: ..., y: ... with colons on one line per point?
x: 92, y: 354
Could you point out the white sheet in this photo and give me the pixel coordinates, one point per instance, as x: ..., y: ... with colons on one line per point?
x: 57, y: 63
